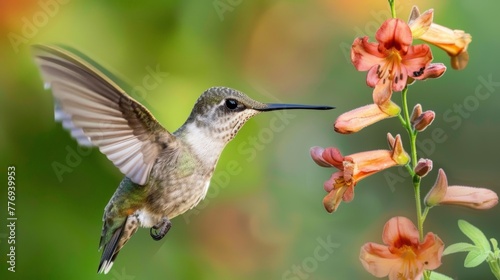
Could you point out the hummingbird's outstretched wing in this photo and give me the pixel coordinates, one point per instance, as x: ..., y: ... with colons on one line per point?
x: 98, y: 112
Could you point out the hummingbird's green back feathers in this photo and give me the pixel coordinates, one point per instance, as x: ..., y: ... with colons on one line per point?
x: 98, y: 112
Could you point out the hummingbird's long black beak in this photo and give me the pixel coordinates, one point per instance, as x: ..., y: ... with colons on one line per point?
x: 276, y: 106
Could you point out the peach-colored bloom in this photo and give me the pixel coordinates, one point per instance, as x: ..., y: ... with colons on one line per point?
x: 403, y: 256
x: 359, y: 118
x: 454, y: 42
x: 392, y: 60
x: 471, y: 197
x: 353, y: 168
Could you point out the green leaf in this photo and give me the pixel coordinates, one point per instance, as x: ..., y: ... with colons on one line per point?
x: 476, y: 235
x: 475, y: 258
x: 459, y: 247
x: 494, y: 244
x: 439, y: 276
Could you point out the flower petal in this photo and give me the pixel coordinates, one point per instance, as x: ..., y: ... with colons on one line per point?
x: 334, y: 157
x: 370, y: 162
x: 316, y: 155
x: 372, y: 78
x: 359, y: 118
x: 460, y: 61
x: 390, y: 108
x: 378, y: 260
x: 365, y: 55
x: 394, y: 33
x: 414, y: 14
x: 436, y: 70
x: 349, y: 193
x: 420, y: 23
x: 431, y: 251
x: 332, y: 200
x: 452, y: 41
x: 438, y: 191
x: 382, y: 92
x: 412, y: 271
x: 416, y: 60
x: 329, y: 185
x: 399, y: 231
x: 399, y: 155
x: 471, y: 197
x: 399, y: 78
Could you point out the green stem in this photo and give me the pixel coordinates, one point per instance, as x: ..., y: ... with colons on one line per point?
x: 413, y: 149
x: 410, y: 170
x: 393, y: 8
x: 420, y: 220
x: 424, y: 215
x: 411, y: 132
x: 403, y: 122
x: 495, y: 267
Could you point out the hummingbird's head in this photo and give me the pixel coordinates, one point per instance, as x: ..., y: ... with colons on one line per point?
x: 224, y: 111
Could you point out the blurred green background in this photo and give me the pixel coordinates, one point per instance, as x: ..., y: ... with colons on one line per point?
x: 263, y: 217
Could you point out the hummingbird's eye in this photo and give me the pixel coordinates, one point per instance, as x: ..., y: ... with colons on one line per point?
x: 231, y: 104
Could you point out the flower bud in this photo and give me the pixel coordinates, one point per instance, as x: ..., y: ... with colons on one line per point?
x: 423, y: 167
x: 438, y: 191
x: 417, y: 111
x: 471, y: 197
x: 424, y: 120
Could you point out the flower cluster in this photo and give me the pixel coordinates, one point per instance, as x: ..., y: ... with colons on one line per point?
x: 355, y: 167
x: 393, y: 63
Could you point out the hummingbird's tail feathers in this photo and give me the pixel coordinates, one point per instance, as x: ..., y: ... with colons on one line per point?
x: 107, y: 258
x: 111, y: 248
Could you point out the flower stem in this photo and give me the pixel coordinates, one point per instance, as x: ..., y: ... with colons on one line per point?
x: 393, y: 8
x: 424, y: 215
x: 420, y: 220
x: 411, y: 132
x: 413, y: 148
x: 495, y: 267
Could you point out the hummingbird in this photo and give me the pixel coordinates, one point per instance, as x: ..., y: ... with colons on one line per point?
x: 166, y: 174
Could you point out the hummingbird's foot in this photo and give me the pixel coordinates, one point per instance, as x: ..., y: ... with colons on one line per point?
x: 159, y: 230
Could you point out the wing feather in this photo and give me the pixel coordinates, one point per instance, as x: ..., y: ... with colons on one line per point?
x: 97, y: 112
